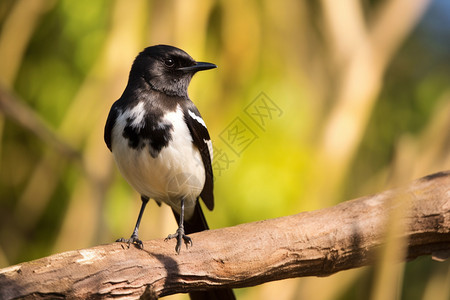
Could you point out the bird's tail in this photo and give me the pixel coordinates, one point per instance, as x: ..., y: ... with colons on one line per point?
x: 195, y: 224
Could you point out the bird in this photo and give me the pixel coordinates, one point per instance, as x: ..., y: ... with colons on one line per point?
x: 160, y: 142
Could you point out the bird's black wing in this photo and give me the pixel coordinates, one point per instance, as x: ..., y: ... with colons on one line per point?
x: 201, y: 139
x: 113, y: 113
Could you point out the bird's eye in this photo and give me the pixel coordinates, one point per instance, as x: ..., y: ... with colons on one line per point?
x: 169, y: 62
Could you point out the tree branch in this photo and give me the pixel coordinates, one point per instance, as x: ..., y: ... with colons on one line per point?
x: 317, y: 243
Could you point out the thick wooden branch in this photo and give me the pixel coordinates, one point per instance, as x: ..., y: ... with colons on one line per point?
x: 317, y: 243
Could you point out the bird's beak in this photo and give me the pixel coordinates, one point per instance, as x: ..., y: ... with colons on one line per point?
x: 199, y: 66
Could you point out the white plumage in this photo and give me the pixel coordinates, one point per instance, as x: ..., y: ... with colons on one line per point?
x: 176, y: 172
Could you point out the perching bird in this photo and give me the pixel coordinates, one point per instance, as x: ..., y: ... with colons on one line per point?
x: 159, y: 140
x: 161, y: 144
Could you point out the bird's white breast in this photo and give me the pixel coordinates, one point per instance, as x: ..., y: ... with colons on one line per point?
x: 176, y: 172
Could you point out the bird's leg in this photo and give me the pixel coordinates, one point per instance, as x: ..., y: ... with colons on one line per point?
x: 134, y: 237
x: 179, y: 234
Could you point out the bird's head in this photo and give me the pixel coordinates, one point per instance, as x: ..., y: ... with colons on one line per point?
x: 166, y: 69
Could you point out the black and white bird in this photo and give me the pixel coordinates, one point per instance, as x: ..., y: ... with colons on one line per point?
x: 160, y: 142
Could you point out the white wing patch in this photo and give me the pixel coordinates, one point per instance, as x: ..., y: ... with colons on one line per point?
x: 210, y: 148
x: 207, y: 142
x: 197, y: 118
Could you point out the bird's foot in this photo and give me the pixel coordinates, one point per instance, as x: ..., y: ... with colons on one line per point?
x: 179, y: 234
x: 132, y: 240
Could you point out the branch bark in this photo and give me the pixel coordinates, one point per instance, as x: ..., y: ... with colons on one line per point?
x: 317, y: 243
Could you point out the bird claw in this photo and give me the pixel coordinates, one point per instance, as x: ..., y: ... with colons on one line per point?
x: 132, y: 240
x: 180, y: 236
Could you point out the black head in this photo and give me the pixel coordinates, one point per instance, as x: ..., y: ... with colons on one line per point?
x: 166, y: 69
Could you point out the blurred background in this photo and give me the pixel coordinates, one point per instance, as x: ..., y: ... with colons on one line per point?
x: 313, y: 103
